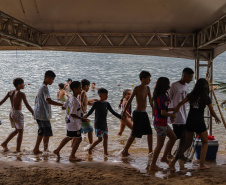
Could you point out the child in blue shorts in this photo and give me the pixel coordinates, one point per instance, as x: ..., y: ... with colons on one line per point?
x: 86, y: 126
x: 101, y: 108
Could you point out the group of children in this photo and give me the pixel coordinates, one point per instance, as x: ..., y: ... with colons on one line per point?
x: 166, y: 107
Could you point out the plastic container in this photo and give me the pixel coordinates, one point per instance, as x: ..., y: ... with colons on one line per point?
x: 211, y: 152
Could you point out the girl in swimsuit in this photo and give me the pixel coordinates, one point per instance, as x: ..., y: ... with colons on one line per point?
x: 128, y: 120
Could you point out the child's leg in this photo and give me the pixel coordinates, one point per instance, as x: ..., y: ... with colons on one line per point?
x: 90, y: 137
x: 95, y: 143
x: 150, y: 141
x: 128, y: 122
x: 38, y: 141
x: 62, y: 144
x: 169, y: 145
x: 5, y: 143
x: 122, y: 128
x: 19, y: 139
x: 160, y: 143
x: 180, y: 153
x: 46, y: 142
x: 125, y: 152
x: 75, y: 146
x: 204, y: 139
x: 105, y: 144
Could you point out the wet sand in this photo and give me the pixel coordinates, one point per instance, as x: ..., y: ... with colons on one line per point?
x: 17, y: 172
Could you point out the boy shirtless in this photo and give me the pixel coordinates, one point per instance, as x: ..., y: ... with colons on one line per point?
x: 16, y: 116
x: 141, y: 123
x: 86, y: 126
x: 61, y: 93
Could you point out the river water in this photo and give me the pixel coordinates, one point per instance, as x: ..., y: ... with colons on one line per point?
x: 106, y: 70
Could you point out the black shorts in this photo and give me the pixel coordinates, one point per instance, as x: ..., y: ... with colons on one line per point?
x: 141, y: 124
x: 179, y: 130
x: 197, y: 126
x: 44, y: 128
x: 74, y: 133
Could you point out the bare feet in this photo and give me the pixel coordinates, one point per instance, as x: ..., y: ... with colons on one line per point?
x: 106, y: 154
x: 164, y: 160
x: 57, y: 153
x: 119, y: 133
x: 172, y: 166
x: 203, y: 167
x: 155, y: 168
x: 37, y: 151
x: 125, y: 154
x: 74, y: 159
x: 5, y: 148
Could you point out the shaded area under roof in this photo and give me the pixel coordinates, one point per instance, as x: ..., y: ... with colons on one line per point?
x: 61, y: 18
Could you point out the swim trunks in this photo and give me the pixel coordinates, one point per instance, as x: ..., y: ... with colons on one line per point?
x: 101, y: 132
x: 17, y: 119
x: 141, y: 124
x: 86, y: 127
x: 74, y: 133
x: 162, y: 130
x: 44, y: 128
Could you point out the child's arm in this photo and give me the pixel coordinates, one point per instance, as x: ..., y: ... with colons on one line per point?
x: 90, y: 111
x: 91, y: 101
x: 51, y: 102
x: 27, y: 104
x: 78, y: 117
x: 213, y: 113
x: 129, y: 101
x: 149, y: 97
x: 113, y: 112
x: 66, y: 94
x: 180, y: 104
x: 4, y: 99
x: 82, y: 101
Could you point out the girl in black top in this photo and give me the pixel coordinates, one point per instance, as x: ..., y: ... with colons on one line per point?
x: 198, y: 99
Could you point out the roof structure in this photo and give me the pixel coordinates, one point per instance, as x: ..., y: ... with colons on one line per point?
x: 175, y: 28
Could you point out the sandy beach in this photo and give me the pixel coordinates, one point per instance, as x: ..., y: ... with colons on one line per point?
x: 17, y: 172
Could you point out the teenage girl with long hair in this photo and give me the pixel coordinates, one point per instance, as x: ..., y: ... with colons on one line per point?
x: 128, y: 120
x: 161, y: 103
x: 198, y: 99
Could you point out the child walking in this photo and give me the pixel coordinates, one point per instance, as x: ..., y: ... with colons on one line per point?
x: 101, y: 108
x: 141, y: 123
x: 86, y: 126
x: 128, y: 119
x: 73, y: 122
x: 198, y: 99
x: 161, y: 103
x: 16, y: 117
x: 42, y: 112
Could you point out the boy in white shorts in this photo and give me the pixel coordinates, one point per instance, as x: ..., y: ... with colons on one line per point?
x: 16, y: 117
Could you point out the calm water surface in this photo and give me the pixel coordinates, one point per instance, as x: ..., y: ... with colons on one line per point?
x: 106, y: 70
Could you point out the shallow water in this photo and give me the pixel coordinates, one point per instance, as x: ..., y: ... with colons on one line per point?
x: 107, y: 70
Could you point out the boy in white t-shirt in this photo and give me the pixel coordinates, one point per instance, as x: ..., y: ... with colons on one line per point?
x: 73, y: 122
x: 178, y: 91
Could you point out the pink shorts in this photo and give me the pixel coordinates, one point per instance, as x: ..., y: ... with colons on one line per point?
x: 17, y: 119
